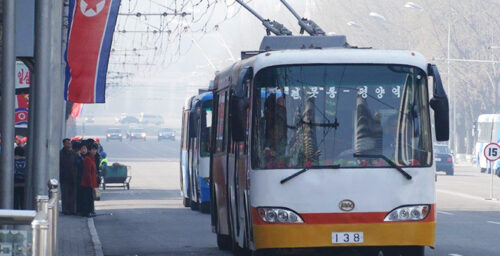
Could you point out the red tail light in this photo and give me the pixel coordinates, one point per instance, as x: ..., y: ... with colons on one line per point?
x: 450, y: 159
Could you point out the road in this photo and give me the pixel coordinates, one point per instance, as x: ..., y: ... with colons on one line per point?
x: 150, y: 219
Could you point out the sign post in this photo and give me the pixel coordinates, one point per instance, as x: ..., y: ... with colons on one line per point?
x: 492, y: 153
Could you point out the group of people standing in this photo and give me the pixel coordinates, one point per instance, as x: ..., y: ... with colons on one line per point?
x: 79, y: 165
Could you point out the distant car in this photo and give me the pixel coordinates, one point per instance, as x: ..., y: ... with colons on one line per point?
x: 443, y: 159
x: 114, y: 134
x: 166, y: 134
x: 151, y: 119
x: 129, y: 120
x: 136, y: 134
x: 89, y: 119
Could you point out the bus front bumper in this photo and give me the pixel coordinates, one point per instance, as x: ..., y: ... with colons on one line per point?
x: 267, y: 236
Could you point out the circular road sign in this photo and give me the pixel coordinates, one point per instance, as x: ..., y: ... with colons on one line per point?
x: 492, y: 151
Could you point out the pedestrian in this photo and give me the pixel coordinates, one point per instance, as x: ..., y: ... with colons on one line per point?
x: 80, y: 157
x: 89, y: 182
x: 19, y: 177
x: 68, y: 176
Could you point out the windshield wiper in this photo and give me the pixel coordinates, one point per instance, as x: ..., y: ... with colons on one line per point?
x: 387, y: 160
x: 334, y: 166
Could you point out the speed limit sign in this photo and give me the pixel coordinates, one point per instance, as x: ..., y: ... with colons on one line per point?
x: 492, y: 152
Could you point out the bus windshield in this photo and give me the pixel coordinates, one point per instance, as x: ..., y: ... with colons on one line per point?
x: 206, y: 123
x: 324, y: 115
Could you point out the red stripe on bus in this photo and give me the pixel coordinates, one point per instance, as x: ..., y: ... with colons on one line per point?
x: 343, y: 218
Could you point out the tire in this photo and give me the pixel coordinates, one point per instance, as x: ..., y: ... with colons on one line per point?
x: 483, y: 170
x: 224, y: 242
x: 194, y: 205
x: 185, y: 202
x: 497, y: 172
x: 450, y: 172
x: 128, y: 186
x: 404, y: 251
x: 205, y: 207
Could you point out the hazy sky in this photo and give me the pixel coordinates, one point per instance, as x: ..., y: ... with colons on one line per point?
x: 164, y: 69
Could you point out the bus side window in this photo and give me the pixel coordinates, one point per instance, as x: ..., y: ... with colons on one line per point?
x: 221, y: 111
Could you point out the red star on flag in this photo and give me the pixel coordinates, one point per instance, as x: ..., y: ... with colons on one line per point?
x: 92, y: 4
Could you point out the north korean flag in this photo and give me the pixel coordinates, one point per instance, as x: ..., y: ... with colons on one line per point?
x: 90, y: 34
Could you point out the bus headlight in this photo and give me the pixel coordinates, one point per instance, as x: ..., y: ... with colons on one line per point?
x: 279, y: 215
x: 408, y: 213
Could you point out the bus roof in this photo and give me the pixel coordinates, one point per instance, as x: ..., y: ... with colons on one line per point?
x: 487, y: 118
x: 201, y: 98
x: 320, y: 56
x: 187, y: 103
x: 339, y: 56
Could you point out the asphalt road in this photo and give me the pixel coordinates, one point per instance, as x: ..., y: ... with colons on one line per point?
x: 149, y: 219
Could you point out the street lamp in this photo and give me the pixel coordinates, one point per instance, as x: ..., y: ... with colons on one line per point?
x: 377, y: 16
x: 413, y: 5
x: 354, y: 25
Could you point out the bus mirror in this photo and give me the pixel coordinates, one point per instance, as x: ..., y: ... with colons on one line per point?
x: 238, y: 118
x: 193, y: 124
x: 439, y: 103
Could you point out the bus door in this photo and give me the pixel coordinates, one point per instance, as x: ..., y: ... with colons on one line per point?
x: 238, y: 169
x: 219, y: 162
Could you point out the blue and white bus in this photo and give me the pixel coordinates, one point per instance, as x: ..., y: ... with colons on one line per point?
x: 488, y: 130
x: 199, y: 152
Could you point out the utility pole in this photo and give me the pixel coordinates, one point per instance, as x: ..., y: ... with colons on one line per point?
x: 8, y: 104
x: 57, y: 104
x: 41, y: 86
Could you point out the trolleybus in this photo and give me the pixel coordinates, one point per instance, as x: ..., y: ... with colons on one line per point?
x: 319, y: 144
x: 199, y: 151
x: 184, y: 157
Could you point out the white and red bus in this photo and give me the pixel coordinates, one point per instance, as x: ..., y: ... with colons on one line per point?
x: 325, y: 146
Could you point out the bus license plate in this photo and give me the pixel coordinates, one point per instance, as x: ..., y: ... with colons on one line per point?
x: 438, y: 159
x: 347, y: 237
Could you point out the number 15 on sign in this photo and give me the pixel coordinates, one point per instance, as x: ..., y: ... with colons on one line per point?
x: 492, y: 152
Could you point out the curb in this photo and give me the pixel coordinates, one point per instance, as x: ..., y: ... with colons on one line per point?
x: 95, y: 238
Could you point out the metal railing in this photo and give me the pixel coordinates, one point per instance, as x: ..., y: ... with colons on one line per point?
x: 43, y: 221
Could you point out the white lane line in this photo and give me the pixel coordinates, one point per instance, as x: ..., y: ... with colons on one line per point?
x: 465, y: 195
x: 445, y: 213
x: 454, y: 254
x: 494, y: 222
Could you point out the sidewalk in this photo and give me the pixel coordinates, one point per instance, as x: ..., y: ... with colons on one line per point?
x: 74, y: 236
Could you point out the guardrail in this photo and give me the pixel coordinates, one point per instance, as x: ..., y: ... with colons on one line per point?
x: 43, y: 223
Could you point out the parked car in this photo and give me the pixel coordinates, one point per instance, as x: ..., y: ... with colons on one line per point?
x: 114, y: 134
x: 136, y: 134
x: 166, y: 134
x: 444, y: 159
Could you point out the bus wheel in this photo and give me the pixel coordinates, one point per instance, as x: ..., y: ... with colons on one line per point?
x: 414, y: 251
x: 185, y: 202
x: 194, y: 205
x: 205, y: 207
x: 403, y: 251
x: 224, y: 242
x: 497, y: 172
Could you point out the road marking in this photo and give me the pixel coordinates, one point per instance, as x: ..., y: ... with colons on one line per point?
x: 465, y: 195
x: 494, y: 222
x: 454, y: 254
x: 445, y: 213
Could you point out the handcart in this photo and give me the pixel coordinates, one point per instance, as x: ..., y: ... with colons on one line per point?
x: 116, y: 174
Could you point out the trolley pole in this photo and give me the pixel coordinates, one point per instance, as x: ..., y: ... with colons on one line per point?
x: 8, y: 104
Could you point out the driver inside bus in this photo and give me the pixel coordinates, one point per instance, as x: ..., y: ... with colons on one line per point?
x: 276, y: 130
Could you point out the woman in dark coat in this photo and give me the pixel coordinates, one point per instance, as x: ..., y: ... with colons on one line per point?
x: 80, y: 156
x: 89, y: 182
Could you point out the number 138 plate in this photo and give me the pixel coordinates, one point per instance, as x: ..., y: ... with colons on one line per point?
x: 347, y: 237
